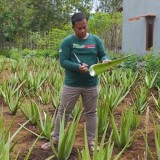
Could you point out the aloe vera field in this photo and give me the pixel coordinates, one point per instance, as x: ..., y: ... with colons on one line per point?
x: 128, y: 126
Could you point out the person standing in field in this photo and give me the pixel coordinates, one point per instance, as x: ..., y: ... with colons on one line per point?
x: 77, y: 53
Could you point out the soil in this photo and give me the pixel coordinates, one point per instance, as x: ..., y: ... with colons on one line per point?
x: 26, y: 138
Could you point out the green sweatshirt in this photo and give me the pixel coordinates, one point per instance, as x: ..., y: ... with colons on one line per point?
x: 89, y: 51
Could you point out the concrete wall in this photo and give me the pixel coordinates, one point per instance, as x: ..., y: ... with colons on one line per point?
x: 134, y: 32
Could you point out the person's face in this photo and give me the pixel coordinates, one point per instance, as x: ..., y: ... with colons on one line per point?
x: 80, y: 28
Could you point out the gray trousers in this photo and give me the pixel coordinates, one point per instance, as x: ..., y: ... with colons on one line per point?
x: 68, y: 100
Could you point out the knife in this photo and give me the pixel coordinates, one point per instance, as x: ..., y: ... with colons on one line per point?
x: 78, y: 60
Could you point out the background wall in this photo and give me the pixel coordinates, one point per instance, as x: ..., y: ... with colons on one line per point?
x: 134, y: 32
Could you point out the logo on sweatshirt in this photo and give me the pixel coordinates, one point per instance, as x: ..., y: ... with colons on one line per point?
x: 84, y: 46
x: 90, y: 46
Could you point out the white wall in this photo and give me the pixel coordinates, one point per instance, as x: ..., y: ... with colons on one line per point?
x: 134, y: 32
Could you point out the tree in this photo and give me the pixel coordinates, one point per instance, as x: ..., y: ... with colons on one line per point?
x: 108, y: 27
x: 18, y: 18
x: 110, y: 6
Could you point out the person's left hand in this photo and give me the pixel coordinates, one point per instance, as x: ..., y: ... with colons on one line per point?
x: 106, y: 61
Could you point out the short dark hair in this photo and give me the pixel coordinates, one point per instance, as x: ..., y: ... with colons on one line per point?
x: 79, y: 16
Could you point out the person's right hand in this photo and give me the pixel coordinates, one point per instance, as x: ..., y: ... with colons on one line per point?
x: 83, y: 67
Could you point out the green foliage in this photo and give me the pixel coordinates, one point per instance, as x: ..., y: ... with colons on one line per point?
x: 56, y: 36
x: 5, y: 52
x: 47, y: 44
x: 26, y: 52
x: 14, y: 54
x: 98, y: 22
x: 152, y: 63
x: 47, y: 53
x: 108, y: 27
x: 131, y: 63
x: 149, y: 63
x: 18, y: 18
x: 48, y: 41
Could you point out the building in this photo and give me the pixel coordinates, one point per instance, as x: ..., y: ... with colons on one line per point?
x: 141, y: 26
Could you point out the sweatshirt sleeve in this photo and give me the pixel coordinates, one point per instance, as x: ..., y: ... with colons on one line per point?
x: 65, y: 56
x: 102, y: 53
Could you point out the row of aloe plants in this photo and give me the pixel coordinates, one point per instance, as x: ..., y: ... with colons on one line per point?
x: 113, y: 89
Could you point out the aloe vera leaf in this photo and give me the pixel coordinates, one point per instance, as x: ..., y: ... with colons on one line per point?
x: 53, y: 148
x: 31, y: 149
x: 116, y: 136
x: 62, y: 146
x: 15, y: 133
x: 101, y: 152
x: 108, y: 149
x: 86, y: 150
x: 101, y: 67
x: 70, y: 140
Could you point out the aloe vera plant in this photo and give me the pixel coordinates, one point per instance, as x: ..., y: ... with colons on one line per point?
x: 56, y: 89
x: 157, y: 140
x: 6, y: 140
x: 150, y: 79
x: 132, y: 115
x: 84, y: 154
x: 12, y: 94
x: 77, y: 109
x: 113, y: 96
x: 22, y: 74
x: 66, y: 138
x: 128, y: 78
x: 102, y: 153
x: 10, y: 86
x: 39, y: 62
x: 45, y: 94
x: 157, y: 101
x: 31, y: 148
x: 141, y: 99
x: 54, y: 79
x: 55, y: 101
x: 119, y: 78
x: 105, y: 151
x: 46, y: 124
x: 102, y: 67
x: 145, y: 136
x: 103, y: 114
x: 30, y: 111
x: 14, y: 66
x: 13, y: 102
x: 122, y: 137
x: 34, y: 82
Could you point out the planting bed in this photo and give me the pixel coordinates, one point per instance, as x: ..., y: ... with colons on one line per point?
x: 26, y: 138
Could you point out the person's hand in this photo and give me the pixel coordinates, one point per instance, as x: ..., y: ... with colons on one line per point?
x: 106, y: 61
x: 83, y: 67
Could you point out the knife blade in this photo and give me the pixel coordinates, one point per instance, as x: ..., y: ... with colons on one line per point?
x: 78, y: 60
